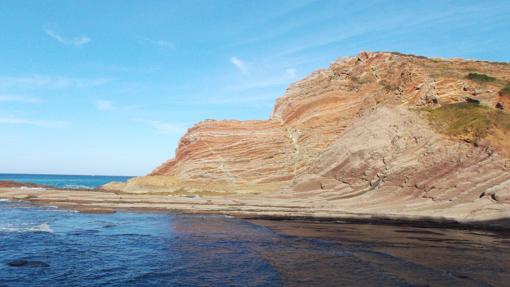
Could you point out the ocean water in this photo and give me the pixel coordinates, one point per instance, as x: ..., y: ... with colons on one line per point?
x: 44, y: 246
x: 64, y: 181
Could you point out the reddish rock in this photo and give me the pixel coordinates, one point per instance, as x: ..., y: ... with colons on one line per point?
x: 311, y: 119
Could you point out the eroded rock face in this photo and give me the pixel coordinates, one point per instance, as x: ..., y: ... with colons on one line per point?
x: 401, y: 158
x: 233, y: 152
x: 311, y: 142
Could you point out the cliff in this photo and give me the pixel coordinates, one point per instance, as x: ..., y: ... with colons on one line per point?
x: 377, y: 128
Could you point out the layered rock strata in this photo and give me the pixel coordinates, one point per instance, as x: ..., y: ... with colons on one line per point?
x: 310, y: 139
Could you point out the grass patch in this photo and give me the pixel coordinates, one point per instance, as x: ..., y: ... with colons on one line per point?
x: 467, y: 121
x: 480, y: 77
x: 361, y: 81
x: 505, y: 91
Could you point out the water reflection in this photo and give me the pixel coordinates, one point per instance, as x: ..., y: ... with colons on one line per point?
x: 136, y: 249
x: 378, y: 255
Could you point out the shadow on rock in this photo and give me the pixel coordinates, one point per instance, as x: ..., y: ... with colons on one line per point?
x: 27, y: 263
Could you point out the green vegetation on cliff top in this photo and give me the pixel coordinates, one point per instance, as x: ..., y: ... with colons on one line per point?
x: 480, y: 77
x: 505, y: 91
x: 468, y: 121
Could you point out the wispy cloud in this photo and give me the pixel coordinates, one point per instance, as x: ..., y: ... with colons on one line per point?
x: 73, y: 41
x: 240, y: 64
x: 165, y: 44
x: 255, y: 100
x: 265, y: 81
x: 29, y: 122
x: 50, y: 82
x: 107, y: 105
x: 19, y: 99
x: 163, y: 127
x: 259, y: 90
x: 104, y: 105
x: 291, y: 72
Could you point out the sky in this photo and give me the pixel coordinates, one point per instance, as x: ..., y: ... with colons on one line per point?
x: 109, y: 87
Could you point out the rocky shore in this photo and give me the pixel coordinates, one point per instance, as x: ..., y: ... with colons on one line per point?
x: 483, y: 214
x: 15, y: 184
x: 378, y: 137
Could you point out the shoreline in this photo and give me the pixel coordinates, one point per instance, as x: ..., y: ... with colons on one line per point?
x: 503, y: 225
x: 97, y: 201
x: 395, y: 221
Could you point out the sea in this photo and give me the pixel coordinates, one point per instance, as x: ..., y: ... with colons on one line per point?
x: 64, y: 181
x: 47, y: 246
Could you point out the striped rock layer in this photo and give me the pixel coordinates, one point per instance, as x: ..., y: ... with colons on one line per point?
x: 352, y: 130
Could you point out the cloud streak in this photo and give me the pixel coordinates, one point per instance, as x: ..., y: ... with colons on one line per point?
x: 291, y: 72
x: 107, y: 105
x: 19, y: 99
x: 29, y: 122
x: 74, y: 41
x: 239, y: 64
x: 50, y: 82
x: 104, y: 105
x: 283, y: 79
x: 165, y: 44
x: 163, y: 127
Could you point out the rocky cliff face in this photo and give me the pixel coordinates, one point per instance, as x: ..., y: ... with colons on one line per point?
x: 358, y: 128
x: 399, y: 159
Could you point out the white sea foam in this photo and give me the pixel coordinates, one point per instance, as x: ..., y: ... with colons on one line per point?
x: 4, y: 200
x: 52, y: 208
x: 43, y: 227
x: 32, y: 188
x: 77, y: 186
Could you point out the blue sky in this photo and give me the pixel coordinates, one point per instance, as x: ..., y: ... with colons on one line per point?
x: 108, y: 87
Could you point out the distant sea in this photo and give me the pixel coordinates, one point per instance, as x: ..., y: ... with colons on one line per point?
x: 64, y: 181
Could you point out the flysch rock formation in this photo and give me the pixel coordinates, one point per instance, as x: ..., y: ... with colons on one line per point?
x: 355, y: 137
x: 243, y: 156
x: 399, y: 159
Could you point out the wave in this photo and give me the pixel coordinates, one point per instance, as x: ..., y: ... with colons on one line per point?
x: 77, y: 186
x: 32, y: 188
x: 43, y: 227
x: 52, y: 208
